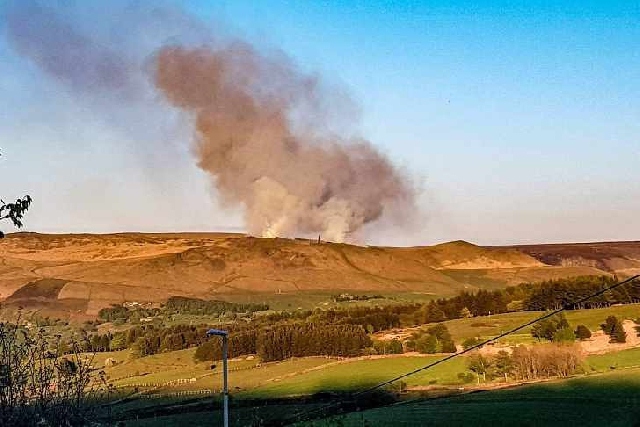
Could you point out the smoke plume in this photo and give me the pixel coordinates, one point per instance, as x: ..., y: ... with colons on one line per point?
x: 262, y: 129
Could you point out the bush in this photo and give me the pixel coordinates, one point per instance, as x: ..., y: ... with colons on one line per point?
x: 480, y: 365
x: 465, y: 377
x: 564, y: 335
x: 547, y: 328
x: 582, y: 332
x: 470, y: 342
x: 427, y: 344
x: 613, y: 327
x: 436, y: 340
x: 449, y: 347
x: 39, y: 385
x: 388, y: 347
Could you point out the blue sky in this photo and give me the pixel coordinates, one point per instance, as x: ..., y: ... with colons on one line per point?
x: 520, y: 120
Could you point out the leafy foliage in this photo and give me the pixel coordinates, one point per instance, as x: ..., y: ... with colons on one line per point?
x: 529, y: 362
x: 547, y: 295
x: 15, y: 211
x: 437, y: 339
x: 554, y: 294
x: 346, y: 297
x: 547, y: 328
x: 185, y: 305
x: 470, y: 342
x: 393, y: 346
x: 504, y: 364
x: 564, y: 335
x: 41, y: 382
x: 285, y: 341
x: 480, y: 365
x: 582, y: 332
x: 613, y: 327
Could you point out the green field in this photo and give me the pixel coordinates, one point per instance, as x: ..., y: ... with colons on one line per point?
x: 621, y: 359
x: 359, y: 374
x: 611, y: 399
x: 310, y: 375
x: 489, y: 326
x: 607, y: 394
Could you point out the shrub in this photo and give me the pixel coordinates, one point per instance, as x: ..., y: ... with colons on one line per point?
x: 564, y: 335
x: 582, y: 332
x: 613, y: 327
x: 465, y: 377
x: 470, y: 342
x: 449, y: 347
x: 39, y: 385
x: 388, y: 347
x: 427, y: 344
x: 436, y: 340
x: 546, y: 329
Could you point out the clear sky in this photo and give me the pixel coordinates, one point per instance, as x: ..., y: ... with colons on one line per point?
x: 519, y: 120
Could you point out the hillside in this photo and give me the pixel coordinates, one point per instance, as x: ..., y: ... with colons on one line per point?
x: 82, y: 273
x: 615, y: 257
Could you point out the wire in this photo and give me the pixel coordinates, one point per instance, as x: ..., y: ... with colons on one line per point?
x: 299, y: 417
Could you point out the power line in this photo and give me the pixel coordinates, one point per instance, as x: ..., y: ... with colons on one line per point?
x: 299, y: 417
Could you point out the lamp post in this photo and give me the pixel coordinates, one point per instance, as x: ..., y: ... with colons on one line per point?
x: 225, y: 390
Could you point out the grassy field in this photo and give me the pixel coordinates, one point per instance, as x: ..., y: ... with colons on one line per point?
x: 610, y: 399
x: 607, y: 394
x: 342, y: 377
x: 620, y: 359
x: 290, y: 377
x: 309, y: 375
x: 489, y: 326
x: 161, y: 368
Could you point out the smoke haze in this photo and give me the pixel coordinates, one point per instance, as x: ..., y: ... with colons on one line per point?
x: 265, y: 132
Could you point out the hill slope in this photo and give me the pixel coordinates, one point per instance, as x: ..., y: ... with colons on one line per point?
x: 615, y: 257
x: 82, y: 273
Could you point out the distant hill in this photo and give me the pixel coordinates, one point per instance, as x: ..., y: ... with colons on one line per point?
x: 615, y: 257
x: 81, y: 273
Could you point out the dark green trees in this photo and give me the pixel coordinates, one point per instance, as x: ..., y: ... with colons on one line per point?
x: 436, y: 340
x: 548, y: 328
x: 582, y: 332
x: 480, y: 365
x: 393, y: 346
x: 613, y: 327
x: 504, y: 364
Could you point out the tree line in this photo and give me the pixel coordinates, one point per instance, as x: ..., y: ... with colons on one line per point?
x: 372, y: 319
x: 554, y: 294
x: 539, y: 296
x: 527, y: 363
x: 282, y: 342
x: 282, y: 334
x: 436, y: 339
x: 548, y: 295
x: 270, y: 342
x: 179, y: 305
x: 196, y: 306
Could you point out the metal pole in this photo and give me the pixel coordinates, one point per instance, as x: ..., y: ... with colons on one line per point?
x: 225, y: 356
x: 225, y: 347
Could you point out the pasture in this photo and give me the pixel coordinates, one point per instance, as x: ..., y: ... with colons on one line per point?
x: 611, y: 399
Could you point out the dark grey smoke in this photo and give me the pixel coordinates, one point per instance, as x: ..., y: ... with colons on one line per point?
x: 261, y: 126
